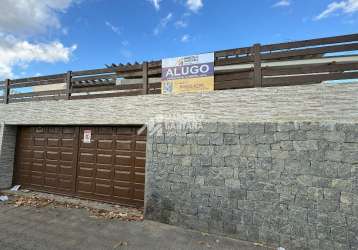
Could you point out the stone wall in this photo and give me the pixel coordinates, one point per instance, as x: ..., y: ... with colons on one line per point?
x: 254, y: 176
x: 293, y: 185
x: 7, y: 153
x: 295, y: 103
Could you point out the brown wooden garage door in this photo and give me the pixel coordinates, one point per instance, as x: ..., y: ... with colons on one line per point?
x: 109, y: 165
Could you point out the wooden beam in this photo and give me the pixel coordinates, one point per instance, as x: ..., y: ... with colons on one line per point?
x: 311, y: 42
x: 257, y: 65
x: 39, y: 78
x: 145, y: 78
x: 68, y: 85
x: 6, y: 91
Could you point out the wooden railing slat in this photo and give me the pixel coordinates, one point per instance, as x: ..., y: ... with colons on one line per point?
x: 38, y: 93
x: 137, y: 78
x: 311, y: 42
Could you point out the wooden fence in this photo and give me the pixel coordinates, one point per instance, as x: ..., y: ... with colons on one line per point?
x: 292, y: 63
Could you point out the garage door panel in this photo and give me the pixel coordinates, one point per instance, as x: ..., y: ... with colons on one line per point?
x: 45, y: 151
x: 139, y: 162
x: 121, y: 190
x: 50, y: 181
x: 39, y: 154
x: 106, y: 137
x: 110, y: 167
x: 105, y: 130
x: 67, y: 156
x: 37, y: 179
x: 39, y: 141
x: 86, y: 171
x: 139, y: 169
x: 124, y: 131
x: 105, y: 144
x: 104, y: 172
x: 25, y: 178
x: 53, y: 155
x: 24, y: 142
x: 85, y: 185
x: 139, y: 195
x: 128, y: 153
x: 124, y: 160
x: 67, y: 170
x: 139, y: 177
x: 27, y: 153
x: 53, y: 130
x: 69, y: 130
x: 53, y: 142
x: 104, y: 158
x: 67, y: 142
x: 115, y: 152
x: 37, y: 166
x: 25, y: 165
x: 139, y: 191
x: 140, y: 153
x: 87, y: 157
x: 39, y: 130
x: 51, y: 168
x: 103, y: 188
x: 65, y: 182
x: 124, y: 144
x: 90, y: 145
x: 140, y: 146
x: 123, y: 175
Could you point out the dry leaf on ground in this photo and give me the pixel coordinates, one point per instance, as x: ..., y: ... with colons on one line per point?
x: 121, y: 243
x: 119, y: 212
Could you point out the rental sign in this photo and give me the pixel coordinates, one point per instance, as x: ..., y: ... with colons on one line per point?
x: 188, y: 74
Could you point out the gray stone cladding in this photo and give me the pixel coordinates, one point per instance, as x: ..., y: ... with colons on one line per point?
x: 295, y: 103
x: 291, y: 184
x: 7, y: 153
x: 272, y: 165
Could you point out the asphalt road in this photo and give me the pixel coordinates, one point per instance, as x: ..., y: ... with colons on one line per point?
x: 70, y: 228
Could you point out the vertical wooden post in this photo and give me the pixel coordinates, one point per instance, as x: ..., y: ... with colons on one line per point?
x: 6, y: 91
x: 145, y: 78
x: 256, y: 50
x: 68, y: 85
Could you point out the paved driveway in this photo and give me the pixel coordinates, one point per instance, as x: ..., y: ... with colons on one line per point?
x: 70, y: 228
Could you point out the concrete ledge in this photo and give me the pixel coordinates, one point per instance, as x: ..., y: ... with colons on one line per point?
x: 295, y: 103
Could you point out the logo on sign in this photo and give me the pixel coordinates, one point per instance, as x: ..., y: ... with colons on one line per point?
x: 167, y: 87
x: 188, y: 74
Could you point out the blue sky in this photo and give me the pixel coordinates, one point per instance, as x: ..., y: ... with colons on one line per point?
x: 85, y: 34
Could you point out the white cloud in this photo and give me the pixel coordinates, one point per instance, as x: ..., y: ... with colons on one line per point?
x: 185, y: 38
x: 17, y: 52
x: 163, y: 23
x: 346, y: 7
x: 22, y: 19
x: 156, y: 3
x: 114, y: 28
x: 125, y: 43
x: 65, y: 31
x: 126, y: 53
x: 166, y: 19
x: 282, y: 3
x: 28, y: 17
x: 181, y: 24
x: 194, y: 5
